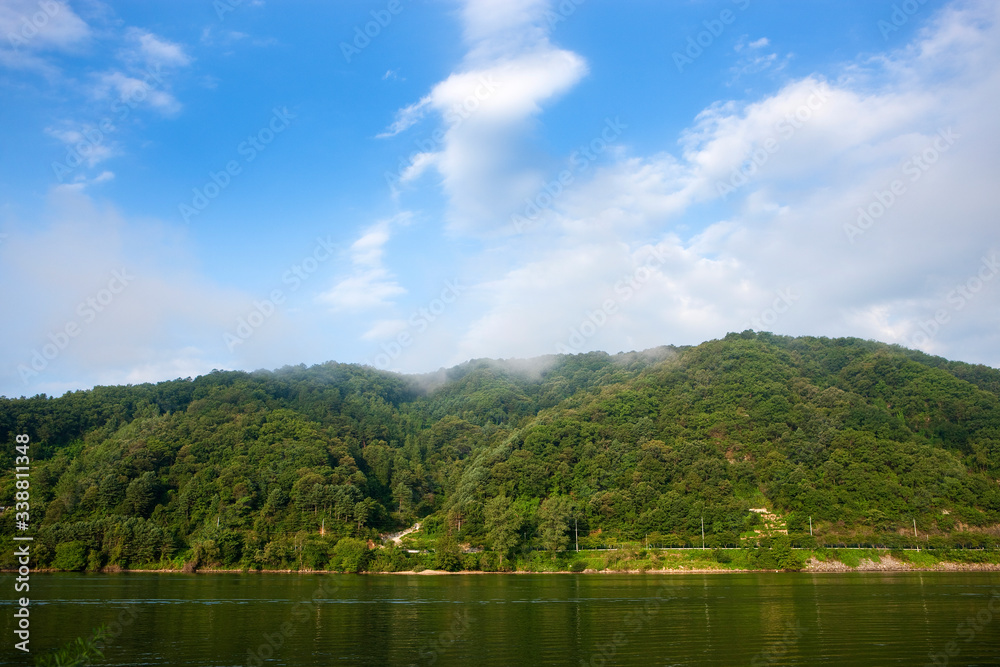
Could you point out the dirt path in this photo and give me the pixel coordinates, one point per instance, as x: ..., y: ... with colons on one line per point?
x: 396, y: 538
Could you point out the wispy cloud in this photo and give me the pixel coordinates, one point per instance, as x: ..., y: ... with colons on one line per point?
x: 149, y: 50
x: 510, y: 72
x: 370, y: 284
x: 32, y: 32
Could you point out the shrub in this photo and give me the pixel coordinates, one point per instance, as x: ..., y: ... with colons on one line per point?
x: 722, y: 556
x: 785, y: 557
x: 349, y: 555
x: 578, y: 566
x: 448, y: 557
x: 489, y: 561
x: 71, y: 556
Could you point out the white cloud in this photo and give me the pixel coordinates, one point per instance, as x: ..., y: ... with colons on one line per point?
x: 510, y: 71
x: 79, y: 139
x: 30, y: 32
x: 142, y: 82
x: 370, y: 285
x: 154, y: 51
x: 136, y: 92
x: 782, y: 259
x: 49, y: 26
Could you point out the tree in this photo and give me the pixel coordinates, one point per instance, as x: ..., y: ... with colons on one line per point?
x: 554, y: 516
x: 350, y: 555
x: 365, y: 511
x: 140, y: 495
x: 502, y: 526
x: 448, y: 557
x: 71, y: 556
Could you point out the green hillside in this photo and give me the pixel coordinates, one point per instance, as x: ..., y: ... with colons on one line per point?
x: 237, y: 469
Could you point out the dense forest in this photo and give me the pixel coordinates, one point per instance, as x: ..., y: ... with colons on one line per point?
x: 306, y: 467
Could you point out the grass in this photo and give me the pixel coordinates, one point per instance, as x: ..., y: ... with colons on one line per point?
x: 631, y: 560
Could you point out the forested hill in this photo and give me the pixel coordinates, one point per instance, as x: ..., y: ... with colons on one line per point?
x: 247, y: 469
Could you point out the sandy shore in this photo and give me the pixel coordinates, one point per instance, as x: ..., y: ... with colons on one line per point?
x: 886, y: 564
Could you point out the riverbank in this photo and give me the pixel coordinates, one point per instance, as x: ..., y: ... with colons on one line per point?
x: 886, y: 564
x: 679, y: 561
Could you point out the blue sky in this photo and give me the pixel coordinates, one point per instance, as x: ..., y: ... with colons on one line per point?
x: 187, y: 186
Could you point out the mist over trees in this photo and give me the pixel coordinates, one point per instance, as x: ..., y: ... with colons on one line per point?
x: 298, y: 468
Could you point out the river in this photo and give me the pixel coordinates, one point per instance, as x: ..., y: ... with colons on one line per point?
x: 898, y: 618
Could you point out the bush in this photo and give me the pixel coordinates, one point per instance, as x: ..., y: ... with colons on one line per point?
x: 349, y: 555
x: 315, y: 554
x: 390, y: 559
x: 966, y: 556
x: 785, y: 557
x: 578, y: 566
x: 489, y: 561
x: 722, y: 556
x: 94, y: 561
x: 448, y: 557
x: 71, y: 556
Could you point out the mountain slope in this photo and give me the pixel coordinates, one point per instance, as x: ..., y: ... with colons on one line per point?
x: 247, y: 469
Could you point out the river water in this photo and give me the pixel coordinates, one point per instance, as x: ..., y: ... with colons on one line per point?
x: 904, y: 618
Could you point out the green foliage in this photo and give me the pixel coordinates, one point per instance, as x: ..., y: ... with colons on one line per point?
x: 722, y: 556
x: 237, y: 469
x: 502, y: 526
x: 785, y: 557
x: 555, y: 514
x: 350, y: 555
x: 71, y: 556
x: 81, y: 651
x: 448, y: 556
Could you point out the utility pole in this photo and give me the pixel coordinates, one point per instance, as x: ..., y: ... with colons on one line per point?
x: 576, y: 533
x: 702, y: 532
x: 915, y: 534
x: 810, y: 526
